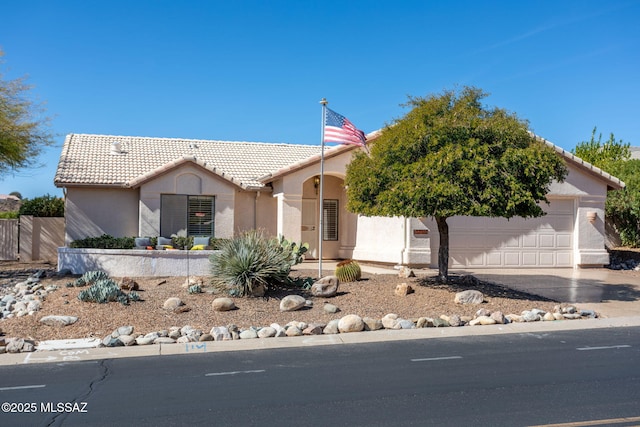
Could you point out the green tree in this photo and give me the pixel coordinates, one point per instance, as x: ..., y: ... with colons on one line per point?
x: 23, y: 129
x: 44, y: 206
x: 450, y: 155
x: 603, y: 155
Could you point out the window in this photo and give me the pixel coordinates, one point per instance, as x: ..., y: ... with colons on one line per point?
x: 330, y: 220
x: 184, y: 215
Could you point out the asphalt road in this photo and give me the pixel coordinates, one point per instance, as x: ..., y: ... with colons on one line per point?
x: 499, y: 380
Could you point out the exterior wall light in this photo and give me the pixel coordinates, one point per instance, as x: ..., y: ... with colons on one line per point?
x: 591, y: 216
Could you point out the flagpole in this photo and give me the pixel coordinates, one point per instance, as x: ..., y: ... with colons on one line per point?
x: 320, y: 223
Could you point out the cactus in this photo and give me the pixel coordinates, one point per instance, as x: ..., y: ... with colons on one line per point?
x: 102, y: 289
x: 195, y: 289
x: 297, y: 250
x: 88, y: 278
x: 348, y: 271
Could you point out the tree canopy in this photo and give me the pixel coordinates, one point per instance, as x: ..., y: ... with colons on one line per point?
x: 23, y: 130
x: 451, y: 155
x: 605, y: 155
x: 623, y: 206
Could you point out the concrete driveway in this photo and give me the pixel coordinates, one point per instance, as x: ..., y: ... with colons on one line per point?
x: 612, y: 293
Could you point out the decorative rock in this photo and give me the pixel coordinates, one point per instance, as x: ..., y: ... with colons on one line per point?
x: 292, y: 303
x: 175, y: 334
x: 371, y: 324
x: 332, y: 327
x: 439, y: 323
x: 454, y: 320
x: 280, y: 331
x: 144, y: 341
x: 530, y: 316
x: 152, y: 335
x: 59, y: 320
x: 127, y: 340
x: 405, y: 272
x: 28, y: 347
x: 293, y: 331
x: 313, y: 329
x: 483, y: 312
x: 234, y: 331
x: 350, y: 323
x: 389, y: 320
x: 223, y: 304
x: 469, y: 297
x: 571, y: 316
x: 164, y: 340
x: 558, y: 316
x: 330, y: 308
x: 568, y: 310
x: 588, y: 313
x: 403, y: 289
x: 172, y: 303
x: 499, y: 317
x: 405, y: 324
x: 122, y: 330
x: 422, y: 322
x: 326, y: 287
x: 515, y: 318
x: 548, y: 317
x: 205, y: 337
x: 128, y: 284
x: 184, y: 339
x: 34, y: 305
x: 482, y: 320
x: 14, y: 346
x: 110, y: 341
x: 220, y: 333
x: 267, y: 332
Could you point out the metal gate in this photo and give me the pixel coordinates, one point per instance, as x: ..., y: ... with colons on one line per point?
x: 9, y: 239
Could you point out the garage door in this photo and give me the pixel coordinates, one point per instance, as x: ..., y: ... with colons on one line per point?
x: 496, y: 242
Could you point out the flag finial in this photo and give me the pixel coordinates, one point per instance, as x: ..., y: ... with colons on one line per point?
x: 324, y: 101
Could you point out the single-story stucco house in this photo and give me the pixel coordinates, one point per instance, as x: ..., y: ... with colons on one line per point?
x: 139, y: 186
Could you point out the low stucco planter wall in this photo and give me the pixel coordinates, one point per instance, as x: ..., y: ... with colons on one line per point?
x: 135, y: 262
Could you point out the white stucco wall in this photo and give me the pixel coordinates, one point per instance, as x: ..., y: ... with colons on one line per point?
x: 92, y: 212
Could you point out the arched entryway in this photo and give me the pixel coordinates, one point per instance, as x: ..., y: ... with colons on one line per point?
x: 338, y: 237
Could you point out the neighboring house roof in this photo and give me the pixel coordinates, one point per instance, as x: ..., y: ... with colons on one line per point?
x: 635, y: 152
x: 127, y: 162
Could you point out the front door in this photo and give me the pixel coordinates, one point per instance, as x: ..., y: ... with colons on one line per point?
x: 309, y: 232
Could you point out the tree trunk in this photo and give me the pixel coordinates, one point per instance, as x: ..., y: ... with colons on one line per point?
x: 443, y: 250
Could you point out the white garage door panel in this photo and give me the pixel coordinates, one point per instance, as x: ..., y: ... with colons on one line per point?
x: 496, y: 242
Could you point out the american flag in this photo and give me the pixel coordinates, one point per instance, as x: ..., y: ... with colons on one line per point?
x: 338, y: 128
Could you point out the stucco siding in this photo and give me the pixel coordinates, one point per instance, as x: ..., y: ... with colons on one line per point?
x: 188, y: 180
x: 92, y: 212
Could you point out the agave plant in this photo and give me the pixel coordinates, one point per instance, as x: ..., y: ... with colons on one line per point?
x: 249, y: 263
x: 348, y: 271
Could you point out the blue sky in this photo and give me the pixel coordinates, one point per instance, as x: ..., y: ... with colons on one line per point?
x: 256, y: 70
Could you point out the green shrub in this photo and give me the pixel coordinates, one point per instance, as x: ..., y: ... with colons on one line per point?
x: 348, y: 271
x: 248, y: 263
x: 104, y: 242
x: 9, y: 215
x: 44, y: 206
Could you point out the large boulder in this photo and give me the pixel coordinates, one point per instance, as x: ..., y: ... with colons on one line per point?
x: 58, y: 320
x: 292, y: 303
x: 223, y: 304
x: 469, y: 297
x: 326, y: 287
x: 350, y: 323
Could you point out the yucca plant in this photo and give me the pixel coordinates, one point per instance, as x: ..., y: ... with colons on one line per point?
x: 348, y: 271
x: 246, y: 265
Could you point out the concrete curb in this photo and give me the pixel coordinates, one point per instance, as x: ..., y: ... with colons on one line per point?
x: 92, y: 354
